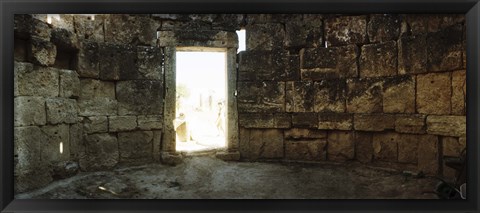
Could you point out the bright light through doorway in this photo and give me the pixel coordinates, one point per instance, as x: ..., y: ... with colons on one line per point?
x: 200, y: 122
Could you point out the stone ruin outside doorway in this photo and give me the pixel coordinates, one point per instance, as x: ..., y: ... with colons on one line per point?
x: 200, y: 112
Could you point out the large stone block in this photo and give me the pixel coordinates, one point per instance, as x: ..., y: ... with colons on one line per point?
x: 139, y: 97
x: 298, y: 133
x: 383, y: 27
x: 341, y: 146
x: 330, y: 96
x: 228, y: 22
x: 122, y: 123
x: 407, y: 148
x: 428, y: 159
x: 447, y: 125
x: 267, y: 120
x: 335, y: 121
x: 305, y: 120
x: 261, y: 143
x: 268, y: 96
x: 209, y: 38
x: 363, y: 147
x: 29, y: 111
x: 38, y: 81
x: 69, y: 84
x: 149, y: 63
x: 364, y: 95
x: 299, y: 96
x: 26, y: 26
x: 148, y: 122
x: 56, y: 147
x: 127, y: 29
x: 88, y: 29
x: 77, y: 144
x: 378, y: 60
x: 97, y: 106
x: 28, y: 143
x: 101, y: 153
x: 307, y: 33
x: 373, y: 122
x: 136, y: 146
x: 399, y: 95
x: 412, y: 54
x: 439, y: 22
x: 65, y: 40
x: 414, y: 24
x: 333, y: 62
x: 346, y: 30
x: 42, y: 52
x: 385, y: 146
x: 434, y: 92
x: 444, y: 49
x: 91, y: 88
x: 95, y: 124
x: 63, y: 21
x: 452, y: 146
x: 61, y: 110
x: 258, y: 65
x: 306, y: 150
x: 88, y: 60
x: 157, y: 145
x: 459, y: 92
x: 264, y: 36
x: 117, y: 62
x: 414, y: 123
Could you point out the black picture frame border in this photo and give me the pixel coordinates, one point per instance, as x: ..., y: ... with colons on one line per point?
x: 10, y: 7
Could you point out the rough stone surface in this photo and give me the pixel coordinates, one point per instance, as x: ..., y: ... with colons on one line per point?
x: 299, y: 96
x: 139, y: 97
x: 412, y: 54
x: 97, y: 106
x: 407, y: 148
x: 69, y: 84
x: 149, y: 63
x: 341, y: 146
x: 383, y: 27
x: 267, y: 96
x: 38, y: 81
x: 28, y: 147
x: 95, y: 124
x: 459, y: 92
x: 77, y: 144
x: 378, y: 60
x: 330, y: 96
x: 258, y: 65
x: 256, y: 120
x: 61, y: 110
x: 122, y: 123
x: 363, y: 147
x: 447, y: 125
x: 413, y: 24
x: 306, y: 150
x: 385, y: 146
x: 88, y: 60
x: 29, y: 111
x: 135, y: 146
x: 346, y: 30
x: 258, y: 144
x: 65, y: 40
x: 42, y: 52
x: 117, y: 62
x: 88, y: 29
x: 264, y: 36
x: 26, y: 26
x: 364, y: 95
x: 332, y: 62
x: 334, y: 121
x: 305, y: 120
x: 304, y: 34
x: 414, y: 124
x: 444, y: 49
x: 373, y: 122
x: 91, y: 89
x: 101, y: 153
x: 451, y: 146
x: 399, y: 95
x: 148, y: 122
x: 428, y: 154
x: 434, y: 93
x: 126, y: 29
x: 298, y: 133
x: 56, y: 147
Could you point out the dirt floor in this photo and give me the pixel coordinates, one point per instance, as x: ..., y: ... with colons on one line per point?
x: 204, y: 177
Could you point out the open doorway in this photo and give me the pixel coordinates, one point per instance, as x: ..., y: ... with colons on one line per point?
x: 200, y: 108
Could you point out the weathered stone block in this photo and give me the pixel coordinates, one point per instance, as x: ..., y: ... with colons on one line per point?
x: 135, y: 146
x: 69, y: 84
x: 447, y: 125
x: 299, y: 96
x: 139, y: 97
x: 444, y: 49
x: 306, y: 150
x: 378, y: 60
x: 261, y: 144
x: 364, y: 95
x: 101, y: 153
x: 228, y: 22
x: 64, y: 21
x: 29, y: 111
x: 148, y: 122
x: 77, y: 144
x: 373, y: 122
x: 335, y: 121
x: 39, y: 81
x: 459, y: 92
x: 27, y: 148
x: 95, y: 124
x: 25, y: 26
x: 88, y: 29
x: 346, y: 30
x: 305, y: 120
x: 264, y: 36
x: 210, y: 38
x: 407, y: 148
x: 439, y: 22
x: 56, y: 147
x: 126, y: 29
x: 399, y: 95
x: 117, y: 62
x: 330, y: 96
x: 91, y: 88
x: 341, y: 146
x: 414, y: 24
x: 296, y: 133
x: 149, y: 63
x: 122, y: 123
x: 307, y: 33
x: 88, y: 60
x: 97, y: 106
x: 257, y: 120
x: 383, y: 27
x: 20, y: 49
x: 258, y: 65
x: 65, y: 40
x: 333, y: 62
x: 428, y: 154
x: 61, y: 110
x: 434, y: 91
x: 410, y: 124
x: 363, y: 147
x: 265, y: 96
x: 412, y: 54
x: 42, y: 52
x: 157, y: 145
x: 452, y: 146
x: 385, y: 146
